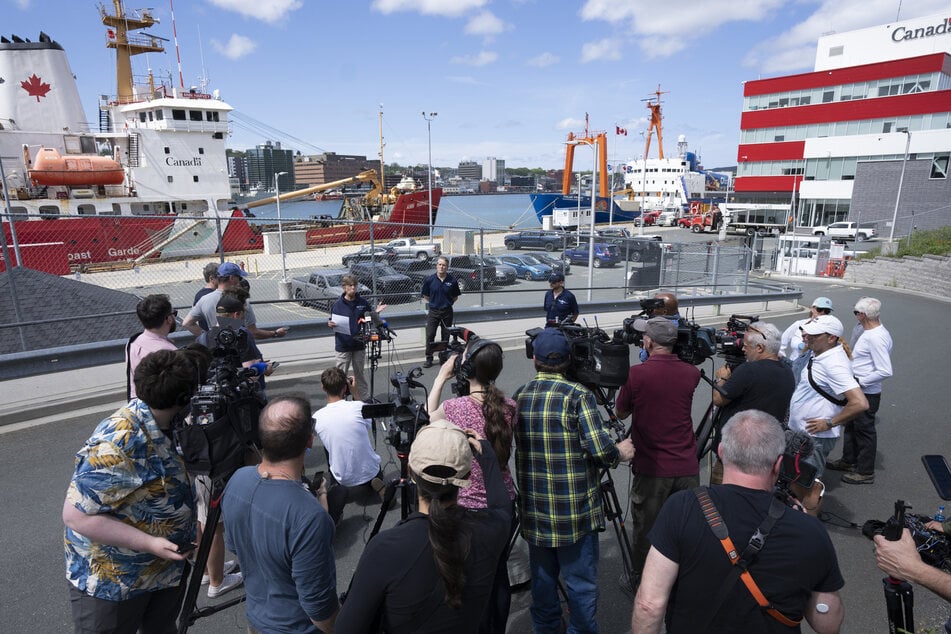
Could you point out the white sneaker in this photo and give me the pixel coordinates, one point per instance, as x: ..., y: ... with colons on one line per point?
x: 229, y: 583
x: 229, y: 566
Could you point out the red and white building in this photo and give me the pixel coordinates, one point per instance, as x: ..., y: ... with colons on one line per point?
x: 875, y: 112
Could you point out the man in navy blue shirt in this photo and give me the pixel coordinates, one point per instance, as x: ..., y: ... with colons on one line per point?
x: 350, y: 349
x: 440, y: 291
x: 560, y: 303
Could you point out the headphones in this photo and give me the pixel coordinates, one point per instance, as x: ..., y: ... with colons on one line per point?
x: 467, y: 368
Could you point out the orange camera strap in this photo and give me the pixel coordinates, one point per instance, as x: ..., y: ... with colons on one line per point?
x: 741, y: 563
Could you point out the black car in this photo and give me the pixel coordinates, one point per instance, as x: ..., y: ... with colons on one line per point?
x: 548, y: 240
x: 504, y: 274
x: 471, y: 274
x: 557, y: 264
x: 389, y: 285
x: 371, y: 254
x: 416, y: 270
x: 638, y: 249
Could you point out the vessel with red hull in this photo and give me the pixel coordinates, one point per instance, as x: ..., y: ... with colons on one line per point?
x: 152, y: 182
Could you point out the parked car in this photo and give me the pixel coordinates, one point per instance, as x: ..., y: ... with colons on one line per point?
x: 557, y: 265
x: 469, y: 273
x: 391, y: 287
x: 416, y: 270
x: 409, y: 248
x: 504, y: 274
x: 847, y: 231
x: 548, y: 240
x: 321, y: 288
x: 640, y: 249
x: 604, y: 254
x: 370, y: 254
x: 527, y: 267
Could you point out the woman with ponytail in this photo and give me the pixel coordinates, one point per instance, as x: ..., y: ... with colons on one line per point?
x: 434, y: 571
x: 483, y: 409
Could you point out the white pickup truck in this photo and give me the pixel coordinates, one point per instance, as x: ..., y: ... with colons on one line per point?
x: 409, y: 248
x: 846, y: 231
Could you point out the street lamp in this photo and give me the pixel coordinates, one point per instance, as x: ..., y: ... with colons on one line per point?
x: 285, y: 286
x: 429, y: 135
x: 901, y: 178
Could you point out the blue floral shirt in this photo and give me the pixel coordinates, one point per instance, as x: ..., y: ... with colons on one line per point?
x: 130, y: 470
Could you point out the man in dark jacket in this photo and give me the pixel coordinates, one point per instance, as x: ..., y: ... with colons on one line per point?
x: 350, y: 349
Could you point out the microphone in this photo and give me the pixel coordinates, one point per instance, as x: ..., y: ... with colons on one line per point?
x: 799, y: 443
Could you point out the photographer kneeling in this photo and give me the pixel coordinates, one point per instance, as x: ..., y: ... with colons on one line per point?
x: 433, y: 571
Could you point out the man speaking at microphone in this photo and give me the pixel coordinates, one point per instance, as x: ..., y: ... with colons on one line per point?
x: 345, y: 319
x: 690, y: 580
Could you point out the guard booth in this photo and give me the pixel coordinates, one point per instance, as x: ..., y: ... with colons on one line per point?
x: 802, y: 255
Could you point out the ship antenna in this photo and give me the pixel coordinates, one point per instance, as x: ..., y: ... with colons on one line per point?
x: 203, y: 80
x: 178, y: 55
x: 382, y: 171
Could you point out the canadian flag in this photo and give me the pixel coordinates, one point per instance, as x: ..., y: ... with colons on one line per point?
x: 619, y: 130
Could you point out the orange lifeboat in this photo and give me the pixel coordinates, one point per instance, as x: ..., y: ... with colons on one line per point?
x: 51, y: 168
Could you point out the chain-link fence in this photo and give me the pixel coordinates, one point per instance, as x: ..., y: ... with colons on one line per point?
x: 294, y: 270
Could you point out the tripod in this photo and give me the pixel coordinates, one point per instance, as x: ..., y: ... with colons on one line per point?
x: 191, y: 579
x: 899, y: 594
x: 609, y: 498
x: 407, y: 494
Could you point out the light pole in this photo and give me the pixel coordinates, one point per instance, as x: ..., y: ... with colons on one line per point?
x: 901, y: 178
x: 284, y: 286
x: 429, y: 137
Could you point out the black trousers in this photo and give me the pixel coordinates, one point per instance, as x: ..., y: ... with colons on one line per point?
x: 147, y: 613
x: 437, y: 318
x: 860, y: 440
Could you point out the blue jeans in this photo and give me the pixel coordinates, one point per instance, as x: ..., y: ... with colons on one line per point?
x: 820, y: 451
x: 578, y: 565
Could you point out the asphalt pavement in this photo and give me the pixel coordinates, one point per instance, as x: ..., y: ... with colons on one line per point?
x: 36, y: 458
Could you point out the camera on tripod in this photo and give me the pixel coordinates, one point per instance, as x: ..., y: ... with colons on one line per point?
x: 934, y: 547
x: 223, y: 414
x: 729, y: 340
x: 408, y: 414
x: 595, y: 359
x: 695, y: 343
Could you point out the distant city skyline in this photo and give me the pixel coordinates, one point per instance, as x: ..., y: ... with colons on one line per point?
x: 508, y: 78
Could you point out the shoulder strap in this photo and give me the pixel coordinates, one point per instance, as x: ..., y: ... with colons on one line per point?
x: 128, y: 365
x: 741, y: 563
x: 838, y: 401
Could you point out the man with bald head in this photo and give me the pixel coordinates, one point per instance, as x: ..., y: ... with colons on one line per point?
x: 282, y: 536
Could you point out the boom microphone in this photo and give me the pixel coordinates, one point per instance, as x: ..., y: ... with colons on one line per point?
x: 799, y: 444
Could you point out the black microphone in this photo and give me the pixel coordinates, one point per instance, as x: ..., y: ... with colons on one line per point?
x: 799, y: 443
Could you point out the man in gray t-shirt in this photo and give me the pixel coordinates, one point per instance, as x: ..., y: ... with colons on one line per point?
x: 229, y: 277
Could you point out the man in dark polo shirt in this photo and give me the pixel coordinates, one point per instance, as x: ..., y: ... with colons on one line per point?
x: 561, y: 307
x: 440, y: 291
x: 659, y: 393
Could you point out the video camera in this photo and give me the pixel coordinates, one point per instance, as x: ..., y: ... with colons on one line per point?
x: 595, y: 359
x: 695, y: 343
x: 460, y: 340
x: 933, y: 546
x: 729, y: 340
x: 223, y: 417
x: 794, y: 471
x: 407, y: 414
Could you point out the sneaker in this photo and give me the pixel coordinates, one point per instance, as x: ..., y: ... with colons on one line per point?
x: 858, y: 478
x: 839, y: 465
x: 229, y: 567
x: 229, y: 583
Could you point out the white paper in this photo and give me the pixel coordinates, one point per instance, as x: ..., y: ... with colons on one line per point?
x: 341, y: 324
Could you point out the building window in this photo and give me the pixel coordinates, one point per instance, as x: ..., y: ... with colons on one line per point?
x: 195, y: 178
x: 170, y: 179
x: 178, y: 115
x: 168, y: 150
x: 939, y: 166
x: 828, y: 96
x: 201, y: 150
x: 158, y: 115
x: 835, y: 51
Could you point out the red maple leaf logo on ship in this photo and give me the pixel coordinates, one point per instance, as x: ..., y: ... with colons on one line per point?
x: 36, y: 87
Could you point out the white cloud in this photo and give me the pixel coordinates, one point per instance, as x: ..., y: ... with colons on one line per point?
x: 463, y: 79
x: 236, y: 47
x: 270, y: 11
x: 483, y: 58
x: 23, y: 4
x: 486, y: 24
x: 445, y: 8
x: 795, y: 48
x: 543, y: 60
x: 569, y: 124
x: 606, y: 49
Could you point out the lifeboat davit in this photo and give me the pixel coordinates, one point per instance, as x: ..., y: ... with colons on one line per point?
x: 51, y: 168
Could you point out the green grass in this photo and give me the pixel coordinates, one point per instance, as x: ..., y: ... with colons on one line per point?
x: 935, y: 242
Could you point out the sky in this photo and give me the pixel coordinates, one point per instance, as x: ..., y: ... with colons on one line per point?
x: 507, y: 78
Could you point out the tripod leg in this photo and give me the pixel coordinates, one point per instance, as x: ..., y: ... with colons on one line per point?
x: 188, y: 613
x: 614, y: 512
x: 899, y: 604
x: 387, y: 500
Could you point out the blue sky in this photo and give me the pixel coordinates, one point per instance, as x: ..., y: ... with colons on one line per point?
x: 508, y: 78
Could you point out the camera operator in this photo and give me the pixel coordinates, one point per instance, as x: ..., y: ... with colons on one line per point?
x: 762, y: 382
x: 670, y: 309
x: 344, y: 433
x: 562, y: 445
x: 659, y: 394
x: 434, y: 570
x: 796, y: 569
x: 129, y: 510
x: 827, y: 395
x: 351, y: 351
x: 282, y: 535
x: 481, y: 408
x: 561, y: 307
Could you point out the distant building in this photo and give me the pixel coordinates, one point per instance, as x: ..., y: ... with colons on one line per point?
x: 526, y: 183
x: 268, y: 159
x: 470, y: 170
x: 835, y: 140
x: 493, y: 170
x: 238, y: 172
x: 330, y: 166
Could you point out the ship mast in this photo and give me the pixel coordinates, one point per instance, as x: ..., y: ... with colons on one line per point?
x: 655, y: 124
x: 382, y: 172
x: 126, y: 46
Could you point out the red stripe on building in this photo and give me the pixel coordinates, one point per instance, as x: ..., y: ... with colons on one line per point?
x: 870, y: 108
x: 771, y: 151
x: 766, y: 183
x: 849, y: 75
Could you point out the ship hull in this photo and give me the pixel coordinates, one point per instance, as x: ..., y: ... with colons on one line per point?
x: 606, y: 209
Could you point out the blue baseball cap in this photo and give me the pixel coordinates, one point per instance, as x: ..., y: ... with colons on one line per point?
x: 551, y: 347
x: 823, y: 302
x: 230, y: 268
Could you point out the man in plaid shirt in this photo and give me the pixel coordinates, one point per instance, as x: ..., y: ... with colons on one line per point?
x: 561, y: 447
